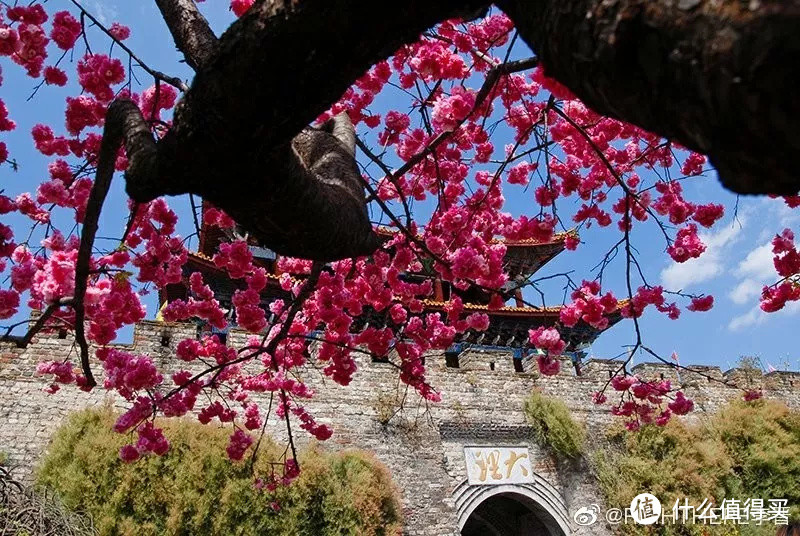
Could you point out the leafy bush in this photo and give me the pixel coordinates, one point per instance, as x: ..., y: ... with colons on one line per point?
x: 194, y: 489
x: 746, y: 450
x: 553, y: 425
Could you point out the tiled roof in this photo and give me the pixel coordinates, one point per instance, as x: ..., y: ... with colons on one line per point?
x: 557, y: 238
x: 444, y: 304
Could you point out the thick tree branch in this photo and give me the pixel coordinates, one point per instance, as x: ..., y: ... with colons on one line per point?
x: 235, y: 131
x: 190, y: 30
x: 41, y: 321
x: 718, y: 76
x: 124, y: 122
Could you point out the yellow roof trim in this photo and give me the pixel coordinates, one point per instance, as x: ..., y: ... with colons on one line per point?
x: 557, y: 237
x: 209, y: 259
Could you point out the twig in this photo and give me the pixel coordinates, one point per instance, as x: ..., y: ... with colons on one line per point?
x: 488, y: 85
x: 158, y: 75
x: 40, y: 322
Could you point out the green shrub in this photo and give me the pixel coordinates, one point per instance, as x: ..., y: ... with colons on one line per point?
x: 553, y: 425
x: 195, y: 490
x: 746, y: 450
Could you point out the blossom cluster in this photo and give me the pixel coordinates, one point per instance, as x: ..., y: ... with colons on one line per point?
x: 787, y: 263
x: 644, y: 402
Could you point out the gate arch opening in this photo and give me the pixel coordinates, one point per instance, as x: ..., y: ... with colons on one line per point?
x: 510, y: 510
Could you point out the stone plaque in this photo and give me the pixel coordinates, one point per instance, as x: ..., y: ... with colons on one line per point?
x: 487, y: 466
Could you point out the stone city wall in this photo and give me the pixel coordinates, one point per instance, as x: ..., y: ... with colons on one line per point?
x: 423, y: 444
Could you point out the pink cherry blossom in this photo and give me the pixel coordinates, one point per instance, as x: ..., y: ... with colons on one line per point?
x: 239, y: 443
x: 752, y: 394
x: 681, y: 405
x: 704, y: 303
x: 66, y: 30
x: 687, y: 244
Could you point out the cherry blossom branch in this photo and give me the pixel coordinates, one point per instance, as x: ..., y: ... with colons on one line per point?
x: 24, y: 341
x: 285, y: 401
x: 630, y: 259
x: 700, y: 373
x: 389, y: 175
x: 611, y: 169
x: 305, y: 291
x: 255, y: 351
x: 628, y: 256
x: 488, y: 84
x: 536, y: 148
x: 171, y: 80
x: 486, y: 88
x: 252, y: 459
x: 419, y: 243
x: 424, y: 247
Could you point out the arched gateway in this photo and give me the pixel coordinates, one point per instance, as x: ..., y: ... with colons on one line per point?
x: 503, y: 496
x: 534, y: 509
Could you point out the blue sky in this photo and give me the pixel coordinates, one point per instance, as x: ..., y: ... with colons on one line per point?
x: 733, y: 269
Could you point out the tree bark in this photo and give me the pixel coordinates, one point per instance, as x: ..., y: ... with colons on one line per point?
x: 190, y: 30
x: 124, y: 123
x: 717, y: 76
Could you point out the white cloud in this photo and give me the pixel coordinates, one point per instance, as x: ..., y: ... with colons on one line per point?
x: 755, y: 271
x: 787, y: 217
x: 756, y: 316
x: 746, y: 291
x: 758, y: 264
x: 756, y: 268
x: 752, y: 317
x: 102, y: 11
x: 709, y: 265
x: 694, y: 271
